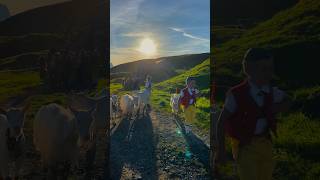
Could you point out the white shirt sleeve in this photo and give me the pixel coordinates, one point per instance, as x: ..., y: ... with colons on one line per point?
x: 191, y: 101
x: 181, y: 94
x: 278, y: 95
x: 230, y: 103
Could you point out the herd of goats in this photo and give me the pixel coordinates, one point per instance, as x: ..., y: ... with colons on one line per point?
x: 62, y: 133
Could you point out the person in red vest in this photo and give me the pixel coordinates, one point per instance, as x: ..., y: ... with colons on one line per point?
x: 187, y: 99
x: 248, y: 118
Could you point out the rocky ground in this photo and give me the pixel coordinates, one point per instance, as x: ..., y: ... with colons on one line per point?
x: 155, y: 147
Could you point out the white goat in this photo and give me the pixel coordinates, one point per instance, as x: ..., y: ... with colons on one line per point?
x: 59, y: 133
x: 143, y: 101
x: 174, y: 103
x: 126, y: 105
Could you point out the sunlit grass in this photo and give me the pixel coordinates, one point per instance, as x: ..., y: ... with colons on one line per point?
x: 115, y: 88
x: 296, y: 150
x: 162, y: 91
x: 14, y: 83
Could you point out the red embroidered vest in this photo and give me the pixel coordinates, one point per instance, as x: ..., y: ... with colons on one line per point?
x: 241, y: 125
x: 187, y: 97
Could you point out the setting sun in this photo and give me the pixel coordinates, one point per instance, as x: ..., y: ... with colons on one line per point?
x: 147, y: 46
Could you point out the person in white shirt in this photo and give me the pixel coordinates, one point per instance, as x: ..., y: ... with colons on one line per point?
x: 187, y: 99
x: 248, y: 117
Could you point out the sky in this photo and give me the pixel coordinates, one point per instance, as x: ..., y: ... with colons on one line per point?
x: 175, y: 27
x: 18, y: 6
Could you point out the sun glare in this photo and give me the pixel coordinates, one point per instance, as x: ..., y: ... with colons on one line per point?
x: 148, y: 47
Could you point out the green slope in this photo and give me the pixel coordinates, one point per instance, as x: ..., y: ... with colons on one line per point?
x: 293, y: 37
x: 162, y: 91
x: 15, y: 45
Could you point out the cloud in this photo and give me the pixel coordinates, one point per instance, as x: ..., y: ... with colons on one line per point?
x: 137, y: 34
x: 124, y: 13
x: 133, y: 20
x: 188, y: 35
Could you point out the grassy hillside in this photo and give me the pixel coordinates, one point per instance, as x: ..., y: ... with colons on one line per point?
x: 21, y: 61
x: 15, y: 45
x: 293, y: 37
x: 74, y: 24
x: 162, y: 91
x: 223, y: 34
x: 161, y: 68
x: 24, y: 37
x: 15, y: 83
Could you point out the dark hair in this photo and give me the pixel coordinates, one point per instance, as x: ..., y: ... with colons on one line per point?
x: 190, y: 78
x: 256, y: 54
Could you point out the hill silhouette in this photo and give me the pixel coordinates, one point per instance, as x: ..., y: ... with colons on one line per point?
x: 73, y: 25
x: 161, y: 68
x: 81, y: 24
x: 57, y: 18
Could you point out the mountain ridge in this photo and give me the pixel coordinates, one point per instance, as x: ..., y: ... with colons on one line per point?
x: 159, y: 68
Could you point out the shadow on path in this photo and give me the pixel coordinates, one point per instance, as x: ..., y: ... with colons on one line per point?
x: 195, y: 145
x: 137, y: 154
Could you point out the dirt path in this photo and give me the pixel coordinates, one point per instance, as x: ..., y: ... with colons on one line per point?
x: 158, y: 149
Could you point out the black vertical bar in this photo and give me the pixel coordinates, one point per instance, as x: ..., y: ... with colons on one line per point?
x: 212, y: 79
x: 105, y: 9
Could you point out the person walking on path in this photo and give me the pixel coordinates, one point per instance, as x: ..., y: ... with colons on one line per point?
x: 187, y: 99
x: 248, y: 118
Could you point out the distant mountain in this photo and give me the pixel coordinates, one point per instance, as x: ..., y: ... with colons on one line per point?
x: 65, y: 17
x: 4, y: 12
x: 111, y: 65
x: 82, y: 24
x: 161, y: 68
x: 75, y: 25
